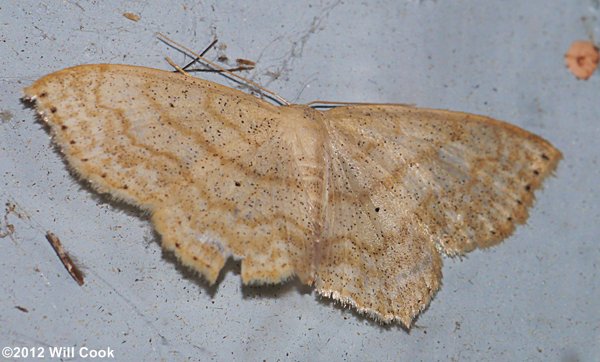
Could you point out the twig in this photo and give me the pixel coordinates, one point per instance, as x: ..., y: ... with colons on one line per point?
x: 64, y: 257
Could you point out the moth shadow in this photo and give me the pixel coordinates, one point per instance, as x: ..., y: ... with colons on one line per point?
x: 267, y: 291
x: 273, y: 291
x: 345, y: 311
x: 193, y: 276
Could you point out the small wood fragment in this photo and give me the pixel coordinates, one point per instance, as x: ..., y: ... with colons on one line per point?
x: 132, y: 16
x: 246, y: 62
x: 65, y: 258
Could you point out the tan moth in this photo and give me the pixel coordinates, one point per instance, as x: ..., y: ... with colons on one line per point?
x: 359, y: 201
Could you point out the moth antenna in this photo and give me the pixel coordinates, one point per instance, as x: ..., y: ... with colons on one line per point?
x: 274, y: 96
x: 236, y: 69
x: 332, y: 104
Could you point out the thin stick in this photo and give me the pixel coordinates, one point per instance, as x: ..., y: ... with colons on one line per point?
x: 267, y: 92
x: 201, y: 54
x: 177, y: 67
x: 64, y: 257
x: 184, y: 72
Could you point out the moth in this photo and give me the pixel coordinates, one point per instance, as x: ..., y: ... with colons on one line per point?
x: 359, y: 201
